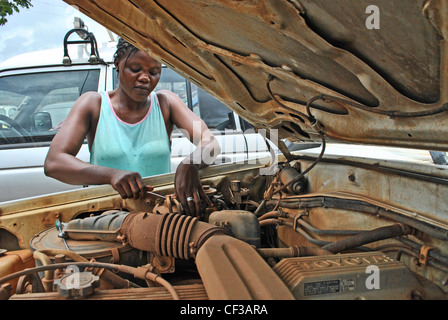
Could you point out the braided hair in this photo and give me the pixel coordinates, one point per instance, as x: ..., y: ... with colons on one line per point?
x: 124, y: 48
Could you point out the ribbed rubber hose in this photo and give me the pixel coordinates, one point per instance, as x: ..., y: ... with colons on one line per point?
x: 172, y: 235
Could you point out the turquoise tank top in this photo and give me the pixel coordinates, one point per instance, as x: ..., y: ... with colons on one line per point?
x: 143, y: 147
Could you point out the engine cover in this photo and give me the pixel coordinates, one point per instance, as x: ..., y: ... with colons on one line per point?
x: 371, y: 275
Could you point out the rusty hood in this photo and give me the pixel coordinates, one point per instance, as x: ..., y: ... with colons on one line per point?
x: 364, y: 71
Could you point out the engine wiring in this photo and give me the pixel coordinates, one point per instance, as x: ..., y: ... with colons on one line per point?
x: 328, y: 98
x: 356, y: 238
x: 390, y: 113
x: 315, y: 125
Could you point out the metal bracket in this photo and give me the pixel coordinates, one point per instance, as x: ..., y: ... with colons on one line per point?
x: 423, y: 255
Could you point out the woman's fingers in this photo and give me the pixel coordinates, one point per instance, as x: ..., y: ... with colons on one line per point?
x: 185, y: 201
x: 192, y: 202
x: 197, y: 203
x: 205, y: 197
x: 129, y: 184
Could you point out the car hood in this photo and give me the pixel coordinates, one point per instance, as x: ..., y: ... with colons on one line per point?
x: 371, y: 72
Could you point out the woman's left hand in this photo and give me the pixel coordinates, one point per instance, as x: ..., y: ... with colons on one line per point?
x: 189, y: 189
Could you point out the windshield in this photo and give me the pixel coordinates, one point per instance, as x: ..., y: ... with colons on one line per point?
x: 33, y: 105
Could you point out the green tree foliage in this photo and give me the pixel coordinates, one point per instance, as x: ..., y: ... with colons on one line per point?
x: 8, y: 7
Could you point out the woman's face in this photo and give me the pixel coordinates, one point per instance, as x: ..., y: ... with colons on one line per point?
x: 139, y: 74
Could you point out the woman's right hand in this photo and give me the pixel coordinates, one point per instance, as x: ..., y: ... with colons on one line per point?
x: 129, y: 184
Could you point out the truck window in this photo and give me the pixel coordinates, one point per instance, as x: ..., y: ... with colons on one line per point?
x: 39, y: 102
x: 174, y: 82
x: 214, y: 113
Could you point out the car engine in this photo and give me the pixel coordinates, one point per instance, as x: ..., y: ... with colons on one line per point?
x: 277, y: 236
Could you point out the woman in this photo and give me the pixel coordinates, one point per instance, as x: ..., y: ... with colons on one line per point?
x: 128, y: 132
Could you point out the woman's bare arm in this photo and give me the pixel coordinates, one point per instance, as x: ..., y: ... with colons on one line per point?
x: 187, y: 179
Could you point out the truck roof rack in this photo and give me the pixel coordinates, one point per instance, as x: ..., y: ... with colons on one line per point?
x: 86, y: 38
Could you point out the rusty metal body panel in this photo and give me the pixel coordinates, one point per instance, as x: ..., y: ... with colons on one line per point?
x: 15, y: 261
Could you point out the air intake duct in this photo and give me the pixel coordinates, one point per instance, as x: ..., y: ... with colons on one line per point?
x: 169, y: 234
x: 229, y: 268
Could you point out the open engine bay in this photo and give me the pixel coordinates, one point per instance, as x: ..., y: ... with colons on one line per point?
x: 328, y: 223
x: 314, y: 228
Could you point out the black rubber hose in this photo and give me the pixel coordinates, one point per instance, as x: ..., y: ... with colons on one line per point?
x: 374, y: 235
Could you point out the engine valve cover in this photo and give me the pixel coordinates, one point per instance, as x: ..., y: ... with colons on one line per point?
x: 371, y: 275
